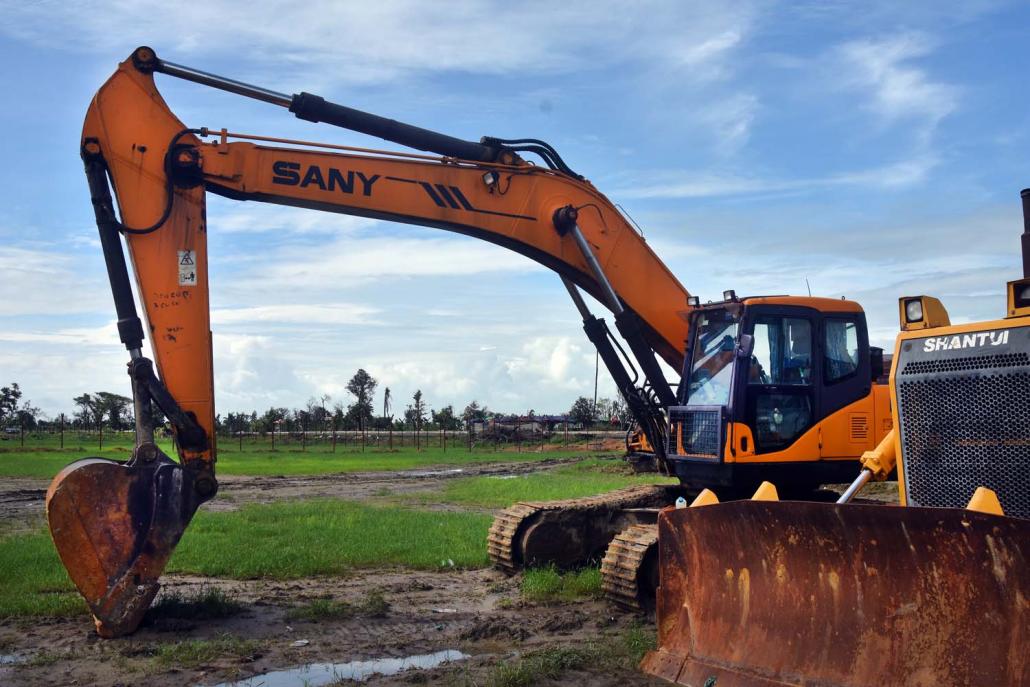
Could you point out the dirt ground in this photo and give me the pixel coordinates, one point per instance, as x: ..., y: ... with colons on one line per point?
x: 478, y: 613
x: 428, y: 612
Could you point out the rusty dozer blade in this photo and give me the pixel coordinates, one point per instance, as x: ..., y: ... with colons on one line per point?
x: 115, y: 526
x: 792, y: 593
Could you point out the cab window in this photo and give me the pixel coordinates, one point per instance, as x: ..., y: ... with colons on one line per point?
x: 783, y: 352
x: 780, y: 393
x: 841, y: 358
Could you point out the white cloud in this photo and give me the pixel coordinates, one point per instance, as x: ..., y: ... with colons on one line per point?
x: 730, y: 120
x: 693, y: 54
x: 46, y: 281
x: 322, y: 315
x: 898, y: 90
x: 236, y: 219
x: 352, y: 261
x: 892, y: 175
x: 370, y: 42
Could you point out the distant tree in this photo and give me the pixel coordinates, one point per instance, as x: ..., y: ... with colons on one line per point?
x: 302, y: 418
x: 9, y: 397
x: 583, y: 412
x: 474, y: 413
x: 415, y: 414
x: 267, y: 422
x: 445, y: 418
x: 324, y: 417
x: 85, y: 413
x: 362, y: 386
x: 236, y: 423
x: 115, y: 408
x: 28, y: 416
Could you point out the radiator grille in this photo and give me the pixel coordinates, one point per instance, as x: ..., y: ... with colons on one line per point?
x: 977, y: 362
x: 695, y: 431
x: 965, y: 424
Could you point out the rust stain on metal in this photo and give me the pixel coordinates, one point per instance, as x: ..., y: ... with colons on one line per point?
x: 115, y: 527
x: 791, y: 593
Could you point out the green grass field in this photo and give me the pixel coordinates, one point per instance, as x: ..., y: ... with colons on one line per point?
x: 586, y: 478
x: 276, y: 541
x: 44, y: 463
x: 326, y: 537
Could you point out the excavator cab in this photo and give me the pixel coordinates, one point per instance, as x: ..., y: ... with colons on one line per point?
x: 763, y: 387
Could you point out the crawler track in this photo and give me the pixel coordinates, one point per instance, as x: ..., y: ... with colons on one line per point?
x: 569, y: 532
x: 629, y: 571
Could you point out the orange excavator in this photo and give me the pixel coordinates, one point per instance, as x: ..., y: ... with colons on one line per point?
x: 777, y: 388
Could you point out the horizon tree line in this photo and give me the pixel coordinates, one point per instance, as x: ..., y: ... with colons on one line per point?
x: 104, y: 409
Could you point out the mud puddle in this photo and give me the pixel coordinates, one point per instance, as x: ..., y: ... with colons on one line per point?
x: 319, y: 674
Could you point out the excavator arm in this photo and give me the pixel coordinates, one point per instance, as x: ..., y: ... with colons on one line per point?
x: 115, y: 525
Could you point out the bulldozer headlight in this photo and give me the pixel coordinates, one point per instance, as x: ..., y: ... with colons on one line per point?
x: 694, y: 301
x: 1023, y: 296
x: 730, y: 295
x: 914, y: 310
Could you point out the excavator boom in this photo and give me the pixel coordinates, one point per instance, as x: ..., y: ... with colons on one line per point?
x: 115, y: 525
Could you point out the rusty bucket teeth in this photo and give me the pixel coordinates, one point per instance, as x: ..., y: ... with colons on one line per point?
x: 115, y: 526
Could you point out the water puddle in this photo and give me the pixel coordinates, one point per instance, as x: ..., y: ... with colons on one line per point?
x: 505, y: 476
x: 436, y: 473
x: 11, y: 659
x: 317, y: 674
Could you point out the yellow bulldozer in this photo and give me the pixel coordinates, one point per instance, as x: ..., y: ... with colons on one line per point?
x: 933, y: 593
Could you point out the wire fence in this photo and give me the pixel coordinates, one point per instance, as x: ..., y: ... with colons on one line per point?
x: 558, y: 438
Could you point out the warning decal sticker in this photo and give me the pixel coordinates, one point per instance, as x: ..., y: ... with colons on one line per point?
x: 187, y: 268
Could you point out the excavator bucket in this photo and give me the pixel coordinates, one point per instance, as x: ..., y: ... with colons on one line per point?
x: 115, y: 526
x: 792, y: 593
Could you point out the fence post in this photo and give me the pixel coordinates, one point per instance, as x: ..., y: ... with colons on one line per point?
x: 443, y: 438
x: 21, y: 426
x: 273, y: 436
x: 518, y: 434
x: 62, y: 430
x: 101, y: 424
x: 470, y: 437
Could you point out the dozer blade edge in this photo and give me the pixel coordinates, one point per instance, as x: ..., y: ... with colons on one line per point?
x: 792, y: 593
x: 115, y: 526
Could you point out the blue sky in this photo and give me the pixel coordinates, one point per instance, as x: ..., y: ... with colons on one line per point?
x: 876, y: 148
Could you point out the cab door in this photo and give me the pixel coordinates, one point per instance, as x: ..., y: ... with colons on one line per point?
x: 781, y: 384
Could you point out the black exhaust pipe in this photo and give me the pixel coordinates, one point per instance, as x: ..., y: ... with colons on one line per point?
x: 1025, y: 195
